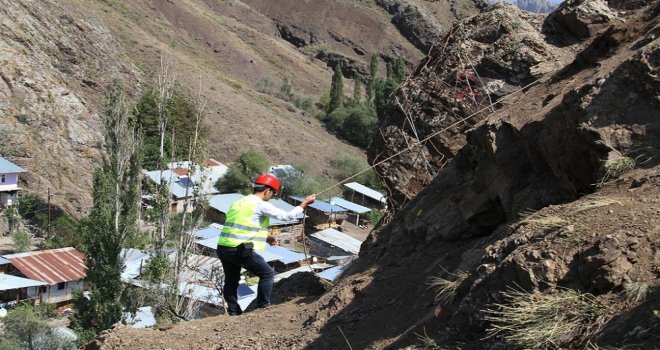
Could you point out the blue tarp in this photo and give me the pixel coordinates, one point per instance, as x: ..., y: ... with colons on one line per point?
x: 356, y: 208
x: 321, y: 205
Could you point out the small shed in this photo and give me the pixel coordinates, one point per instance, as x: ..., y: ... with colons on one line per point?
x: 366, y: 196
x: 321, y: 212
x: 354, y: 208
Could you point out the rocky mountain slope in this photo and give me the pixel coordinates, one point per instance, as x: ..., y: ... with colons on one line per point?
x: 58, y: 58
x: 549, y: 201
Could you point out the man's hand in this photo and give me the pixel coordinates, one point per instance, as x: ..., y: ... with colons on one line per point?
x: 307, y: 201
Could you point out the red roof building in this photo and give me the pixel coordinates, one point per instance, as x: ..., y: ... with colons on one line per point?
x: 51, y: 266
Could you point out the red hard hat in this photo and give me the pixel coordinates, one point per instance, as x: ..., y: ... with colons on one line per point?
x: 268, y: 180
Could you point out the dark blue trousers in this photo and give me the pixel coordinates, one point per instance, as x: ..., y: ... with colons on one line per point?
x: 231, y: 264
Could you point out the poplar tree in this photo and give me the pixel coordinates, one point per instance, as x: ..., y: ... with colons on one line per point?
x: 336, y: 90
x: 357, y: 90
x: 113, y: 218
x: 390, y: 72
x: 373, y: 68
x: 399, y: 70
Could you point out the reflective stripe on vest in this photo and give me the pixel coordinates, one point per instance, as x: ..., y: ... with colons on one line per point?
x: 239, y: 228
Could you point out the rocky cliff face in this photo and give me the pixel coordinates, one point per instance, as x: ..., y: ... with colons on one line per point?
x: 481, y: 61
x: 54, y: 62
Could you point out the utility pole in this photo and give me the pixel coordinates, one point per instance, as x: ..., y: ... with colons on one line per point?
x: 48, y: 211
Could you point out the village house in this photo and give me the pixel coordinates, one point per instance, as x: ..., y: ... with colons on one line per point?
x: 8, y: 182
x: 60, y: 270
x: 186, y: 180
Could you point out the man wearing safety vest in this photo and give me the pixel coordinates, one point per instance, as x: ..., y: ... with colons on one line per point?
x: 246, y: 231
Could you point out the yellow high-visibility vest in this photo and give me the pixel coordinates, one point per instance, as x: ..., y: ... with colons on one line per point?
x: 239, y: 228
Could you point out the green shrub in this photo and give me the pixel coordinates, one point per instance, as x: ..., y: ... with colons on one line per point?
x: 22, y: 241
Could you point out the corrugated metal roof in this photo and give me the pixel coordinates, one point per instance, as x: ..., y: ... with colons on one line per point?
x: 281, y: 204
x: 369, y: 192
x: 211, y: 231
x: 333, y: 273
x: 50, y: 266
x: 321, y: 205
x: 356, y: 208
x: 339, y: 240
x: 9, y: 167
x: 286, y: 256
x: 270, y: 254
x: 304, y: 268
x: 8, y: 282
x: 222, y: 202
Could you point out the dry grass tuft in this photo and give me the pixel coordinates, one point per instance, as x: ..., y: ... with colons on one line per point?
x: 427, y: 342
x: 636, y: 291
x: 565, y: 319
x: 593, y: 204
x: 445, y: 288
x: 617, y: 168
x: 543, y: 221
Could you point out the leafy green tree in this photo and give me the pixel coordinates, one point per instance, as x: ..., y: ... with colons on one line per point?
x: 383, y: 91
x: 21, y: 240
x: 399, y: 71
x: 12, y: 216
x: 336, y: 90
x: 335, y: 120
x: 180, y: 111
x: 390, y: 71
x: 242, y: 172
x: 357, y: 90
x: 25, y: 327
x: 33, y: 209
x: 67, y: 232
x: 359, y: 125
x: 373, y: 69
x: 114, y: 215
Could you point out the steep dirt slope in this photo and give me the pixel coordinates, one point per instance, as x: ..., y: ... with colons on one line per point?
x: 531, y: 201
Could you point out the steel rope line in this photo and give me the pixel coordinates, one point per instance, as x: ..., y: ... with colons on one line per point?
x: 303, y: 234
x: 429, y: 137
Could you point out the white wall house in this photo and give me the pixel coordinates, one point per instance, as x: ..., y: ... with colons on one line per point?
x: 186, y: 178
x: 8, y: 182
x: 61, y: 270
